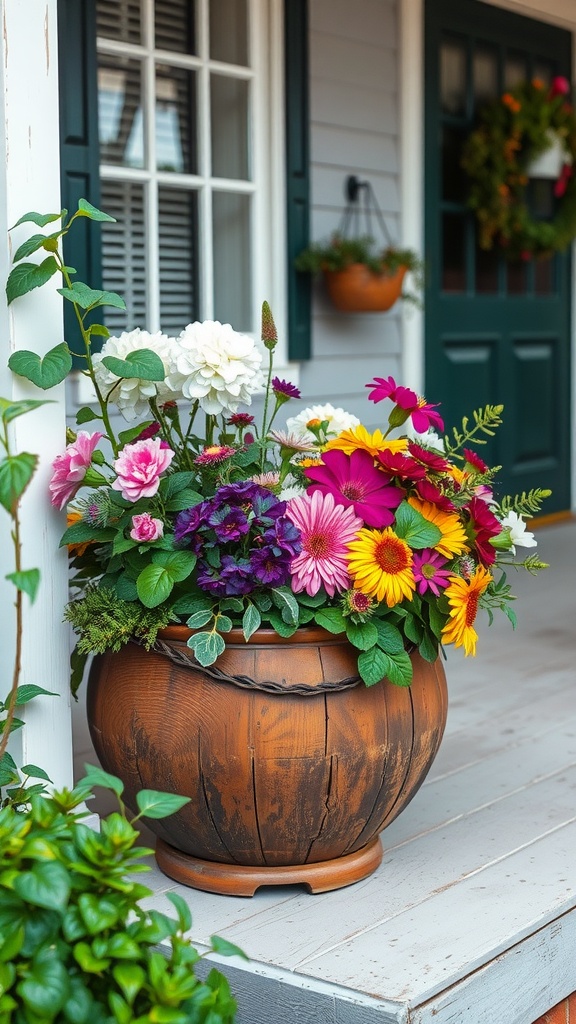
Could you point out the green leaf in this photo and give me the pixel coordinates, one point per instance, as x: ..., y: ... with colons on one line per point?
x: 437, y: 619
x: 372, y: 665
x: 331, y: 619
x: 225, y: 948
x: 199, y: 618
x: 170, y: 485
x: 178, y: 564
x: 182, y: 909
x: 363, y: 634
x: 250, y: 621
x: 189, y: 604
x: 412, y: 527
x: 399, y: 669
x: 154, y: 585
x: 207, y: 647
x: 89, y: 298
x: 45, y: 988
x: 98, y: 912
x: 282, y: 627
x: 8, y: 770
x: 78, y: 1006
x: 143, y: 364
x: 85, y: 414
x: 11, y: 410
x: 80, y: 532
x: 29, y: 690
x: 127, y: 436
x: 389, y: 637
x: 33, y: 772
x: 96, y: 776
x: 428, y: 648
x: 284, y: 599
x: 40, y: 219
x: 184, y: 499
x: 152, y: 804
x: 16, y: 472
x: 130, y: 978
x: 27, y: 276
x: 85, y: 209
x: 44, y: 373
x: 47, y: 884
x: 99, y: 330
x: 36, y: 242
x: 84, y: 956
x: 27, y: 580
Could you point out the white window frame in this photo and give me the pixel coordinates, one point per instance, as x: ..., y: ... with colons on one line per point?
x: 267, y: 152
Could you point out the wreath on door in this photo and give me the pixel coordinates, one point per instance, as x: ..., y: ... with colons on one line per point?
x: 513, y: 132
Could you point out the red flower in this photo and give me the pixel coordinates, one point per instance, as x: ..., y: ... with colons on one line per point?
x: 398, y: 464
x: 474, y: 461
x: 432, y: 460
x: 483, y: 526
x: 430, y: 492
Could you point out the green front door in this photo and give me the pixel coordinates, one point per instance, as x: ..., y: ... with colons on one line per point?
x: 496, y: 332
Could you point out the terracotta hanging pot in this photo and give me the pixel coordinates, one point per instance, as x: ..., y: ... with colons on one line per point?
x: 358, y: 290
x: 292, y: 765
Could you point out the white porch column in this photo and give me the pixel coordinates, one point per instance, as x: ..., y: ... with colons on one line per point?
x: 30, y: 180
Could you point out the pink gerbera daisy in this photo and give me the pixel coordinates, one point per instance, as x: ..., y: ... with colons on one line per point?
x: 214, y: 454
x: 484, y: 525
x: 430, y: 572
x: 354, y: 481
x: 325, y: 530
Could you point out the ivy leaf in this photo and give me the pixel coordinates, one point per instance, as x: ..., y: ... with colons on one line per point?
x: 143, y: 364
x: 152, y: 804
x: 85, y: 209
x: 331, y: 619
x: 207, y: 647
x: 89, y: 298
x: 250, y: 621
x: 27, y: 580
x: 15, y: 474
x: 44, y: 373
x: 412, y: 527
x: 27, y: 276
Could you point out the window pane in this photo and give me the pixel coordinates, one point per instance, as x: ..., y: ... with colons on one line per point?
x: 544, y: 277
x: 544, y: 71
x: 229, y: 31
x: 118, y: 19
x: 487, y: 263
x: 453, y: 253
x: 229, y: 121
x: 175, y: 119
x: 517, y: 278
x: 120, y: 121
x: 124, y: 254
x: 454, y: 182
x: 453, y: 78
x: 515, y: 71
x: 174, y: 25
x: 178, y: 235
x: 485, y: 75
x: 232, y: 260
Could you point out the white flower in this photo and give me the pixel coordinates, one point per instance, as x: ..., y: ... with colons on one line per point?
x: 216, y: 366
x: 132, y: 395
x: 429, y: 439
x: 338, y: 420
x: 518, y: 534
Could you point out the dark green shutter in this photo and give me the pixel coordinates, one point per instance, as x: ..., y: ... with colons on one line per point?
x: 297, y: 175
x: 79, y: 156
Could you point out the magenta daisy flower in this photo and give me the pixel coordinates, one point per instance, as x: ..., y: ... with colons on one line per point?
x: 214, y: 454
x: 325, y: 530
x: 240, y: 419
x: 354, y: 481
x: 474, y: 462
x: 400, y: 465
x: 430, y: 572
x: 484, y: 525
x: 432, y: 460
x: 284, y: 390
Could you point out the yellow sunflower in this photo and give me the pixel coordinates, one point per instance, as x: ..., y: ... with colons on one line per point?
x: 380, y: 564
x: 358, y: 437
x: 453, y: 540
x: 463, y: 596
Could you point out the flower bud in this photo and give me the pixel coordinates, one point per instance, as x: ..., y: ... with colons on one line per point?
x: 269, y: 332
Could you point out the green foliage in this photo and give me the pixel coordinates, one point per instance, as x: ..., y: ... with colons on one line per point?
x: 485, y: 422
x: 525, y: 504
x: 105, y: 622
x: 75, y: 943
x: 340, y: 252
x: 44, y: 373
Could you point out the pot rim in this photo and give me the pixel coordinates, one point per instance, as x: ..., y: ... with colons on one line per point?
x: 261, y: 637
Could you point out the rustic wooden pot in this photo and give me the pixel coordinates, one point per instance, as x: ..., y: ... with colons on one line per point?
x: 292, y: 764
x: 358, y: 290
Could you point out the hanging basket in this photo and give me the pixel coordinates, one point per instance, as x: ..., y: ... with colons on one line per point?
x: 358, y: 290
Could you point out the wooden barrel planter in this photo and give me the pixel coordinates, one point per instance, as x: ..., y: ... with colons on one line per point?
x: 359, y: 290
x: 292, y: 764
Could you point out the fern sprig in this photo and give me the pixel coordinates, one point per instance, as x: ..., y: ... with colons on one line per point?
x: 486, y: 421
x: 525, y: 504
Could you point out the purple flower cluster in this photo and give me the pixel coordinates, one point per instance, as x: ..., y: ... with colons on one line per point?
x: 252, y: 520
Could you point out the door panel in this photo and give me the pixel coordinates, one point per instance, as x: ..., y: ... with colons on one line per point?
x: 496, y: 332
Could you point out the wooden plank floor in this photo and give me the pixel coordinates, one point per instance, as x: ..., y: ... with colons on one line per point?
x: 471, y: 917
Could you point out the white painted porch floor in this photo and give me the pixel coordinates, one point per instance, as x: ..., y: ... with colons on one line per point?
x: 471, y: 917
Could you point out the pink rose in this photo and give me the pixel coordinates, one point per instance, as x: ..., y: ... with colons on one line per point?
x: 139, y: 467
x: 145, y: 528
x: 560, y: 86
x: 70, y: 468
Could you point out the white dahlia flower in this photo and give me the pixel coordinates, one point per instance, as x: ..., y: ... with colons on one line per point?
x: 518, y: 533
x: 132, y: 395
x: 217, y: 366
x: 338, y: 420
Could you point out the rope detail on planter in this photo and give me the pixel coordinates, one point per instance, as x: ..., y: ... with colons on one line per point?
x: 182, y: 655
